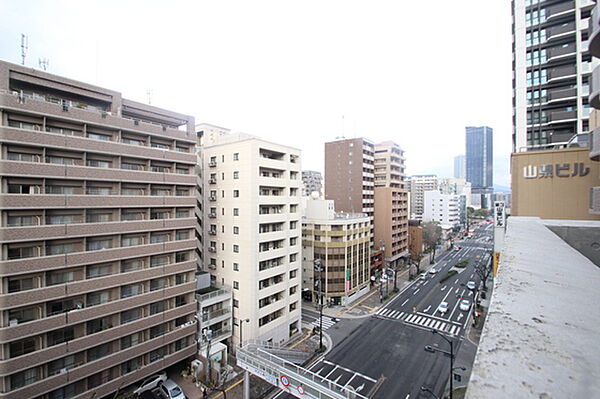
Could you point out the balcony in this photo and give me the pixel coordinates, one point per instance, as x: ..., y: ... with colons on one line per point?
x: 594, y: 41
x: 555, y: 32
x: 594, y: 98
x: 595, y: 145
x: 562, y: 72
x: 559, y: 10
x: 562, y: 94
x: 562, y: 117
x: 563, y: 51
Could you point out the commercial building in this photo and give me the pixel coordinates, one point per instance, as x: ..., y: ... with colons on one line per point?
x: 251, y: 228
x: 97, y: 233
x: 442, y: 208
x: 417, y: 186
x: 460, y: 167
x: 415, y: 239
x: 342, y: 242
x: 479, y: 161
x: 542, y: 315
x: 551, y: 73
x: 459, y: 187
x: 391, y: 204
x: 312, y: 181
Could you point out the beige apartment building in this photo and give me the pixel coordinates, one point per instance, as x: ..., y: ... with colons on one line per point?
x: 251, y: 224
x: 391, y: 203
x: 417, y: 185
x: 341, y: 241
x: 97, y: 212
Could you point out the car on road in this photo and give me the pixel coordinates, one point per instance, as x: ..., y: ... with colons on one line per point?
x: 150, y: 383
x: 471, y: 285
x: 432, y: 271
x: 423, y: 276
x: 170, y: 390
x: 465, y: 305
x: 443, y: 308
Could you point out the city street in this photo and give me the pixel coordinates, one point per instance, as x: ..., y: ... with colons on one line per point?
x: 390, y: 343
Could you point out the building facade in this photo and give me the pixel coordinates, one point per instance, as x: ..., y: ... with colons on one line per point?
x: 252, y: 232
x: 551, y: 73
x: 415, y: 239
x: 312, y: 181
x: 479, y: 162
x: 349, y: 175
x: 341, y: 241
x: 417, y: 185
x: 459, y: 187
x: 442, y: 208
x: 391, y: 203
x: 460, y: 167
x: 98, y: 241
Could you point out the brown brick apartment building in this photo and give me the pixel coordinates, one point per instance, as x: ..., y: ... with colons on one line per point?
x: 97, y: 211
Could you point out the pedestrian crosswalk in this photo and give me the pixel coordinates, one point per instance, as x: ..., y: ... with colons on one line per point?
x: 327, y: 322
x: 452, y: 328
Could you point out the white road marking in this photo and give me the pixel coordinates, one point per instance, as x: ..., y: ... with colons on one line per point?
x: 427, y: 309
x: 470, y: 293
x: 425, y: 283
x: 452, y: 329
x: 423, y: 321
x: 407, y: 396
x: 443, y: 326
x: 457, y: 289
x: 443, y: 288
x: 400, y: 315
x: 437, y: 324
x: 460, y: 316
x: 404, y: 303
x: 471, y: 275
x: 415, y: 293
x: 456, y: 281
x: 380, y: 311
x: 454, y: 310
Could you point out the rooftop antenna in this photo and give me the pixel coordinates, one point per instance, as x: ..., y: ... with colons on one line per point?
x: 24, y: 48
x: 43, y: 62
x: 149, y: 93
x: 341, y: 137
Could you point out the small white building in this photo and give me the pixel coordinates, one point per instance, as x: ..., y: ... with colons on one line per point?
x: 442, y: 208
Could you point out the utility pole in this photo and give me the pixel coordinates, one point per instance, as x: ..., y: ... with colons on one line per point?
x: 318, y: 267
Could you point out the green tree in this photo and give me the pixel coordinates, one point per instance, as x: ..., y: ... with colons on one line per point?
x: 432, y: 234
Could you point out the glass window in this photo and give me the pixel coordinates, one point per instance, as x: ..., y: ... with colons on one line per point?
x: 59, y: 336
x: 130, y: 315
x: 130, y: 290
x: 24, y: 378
x: 97, y: 298
x: 98, y: 271
x: 99, y: 244
x: 131, y: 340
x: 22, y: 347
x: 98, y: 352
x: 131, y: 265
x: 20, y: 284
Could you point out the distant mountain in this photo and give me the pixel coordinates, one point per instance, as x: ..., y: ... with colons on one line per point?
x: 501, y: 189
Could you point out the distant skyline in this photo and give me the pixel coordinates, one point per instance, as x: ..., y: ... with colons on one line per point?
x: 299, y: 74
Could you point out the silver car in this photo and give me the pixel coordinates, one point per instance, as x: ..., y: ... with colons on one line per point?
x: 151, y: 382
x: 170, y: 390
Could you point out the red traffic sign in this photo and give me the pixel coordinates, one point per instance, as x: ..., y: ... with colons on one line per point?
x: 285, y: 381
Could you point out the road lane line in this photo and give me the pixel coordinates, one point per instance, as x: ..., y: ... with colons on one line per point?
x: 443, y: 288
x: 456, y: 281
x: 457, y: 289
x: 415, y: 293
x: 404, y: 303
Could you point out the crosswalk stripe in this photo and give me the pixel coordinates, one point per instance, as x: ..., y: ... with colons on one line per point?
x: 400, y: 315
x: 393, y: 314
x: 411, y: 318
x: 443, y: 326
x: 423, y: 321
x: 452, y: 329
x: 457, y: 330
x: 418, y: 319
x: 385, y: 311
x: 380, y: 311
x: 432, y: 323
x: 437, y: 325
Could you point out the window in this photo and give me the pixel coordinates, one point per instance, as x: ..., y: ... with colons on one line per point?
x: 293, y: 290
x: 236, y: 267
x: 59, y: 336
x: 159, y: 260
x: 294, y: 224
x: 157, y: 307
x: 130, y: 366
x: 60, y: 365
x: 159, y: 284
x: 157, y: 354
x: 21, y: 315
x: 131, y: 340
x: 130, y: 290
x: 159, y: 237
x: 182, y: 257
x: 99, y: 244
x: 96, y: 136
x: 180, y: 301
x: 182, y: 235
x: 236, y: 303
x: 60, y: 248
x: 236, y: 193
x: 236, y: 156
x: 182, y: 192
x: 236, y: 230
x: 130, y: 315
x: 236, y: 248
x: 98, y: 164
x: 98, y: 217
x: 22, y: 347
x: 97, y: 298
x: 236, y: 175
x: 293, y: 257
x: 181, y: 278
x: 293, y: 273
x: 293, y: 240
x: 20, y: 284
x: 130, y: 241
x: 130, y: 265
x: 24, y: 378
x: 157, y: 331
x: 98, y: 352
x: 236, y: 285
x: 97, y: 325
x: 98, y: 271
x: 236, y: 212
x: 182, y: 213
x: 180, y: 344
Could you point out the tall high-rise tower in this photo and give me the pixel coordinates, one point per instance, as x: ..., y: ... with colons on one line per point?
x: 479, y: 160
x: 551, y: 72
x: 460, y: 167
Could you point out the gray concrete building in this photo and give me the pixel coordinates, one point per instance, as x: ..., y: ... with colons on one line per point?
x: 97, y: 235
x: 312, y: 181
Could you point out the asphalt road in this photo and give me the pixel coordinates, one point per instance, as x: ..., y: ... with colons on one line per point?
x: 390, y: 344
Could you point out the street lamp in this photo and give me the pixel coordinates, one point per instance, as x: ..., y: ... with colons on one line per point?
x: 241, y: 329
x: 319, y: 269
x: 425, y: 389
x: 434, y: 331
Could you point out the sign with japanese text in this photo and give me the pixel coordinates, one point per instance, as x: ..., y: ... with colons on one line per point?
x: 555, y: 170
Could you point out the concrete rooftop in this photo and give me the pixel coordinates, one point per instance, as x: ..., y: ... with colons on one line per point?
x: 541, y: 338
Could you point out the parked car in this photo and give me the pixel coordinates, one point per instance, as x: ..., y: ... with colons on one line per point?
x: 443, y: 308
x: 171, y: 390
x: 471, y: 285
x: 432, y: 271
x: 465, y: 305
x: 150, y: 383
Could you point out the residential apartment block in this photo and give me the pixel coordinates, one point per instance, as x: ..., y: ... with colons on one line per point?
x: 391, y: 203
x: 342, y: 242
x: 97, y: 212
x: 312, y: 181
x: 417, y: 186
x: 442, y: 208
x: 251, y: 225
x: 552, y: 70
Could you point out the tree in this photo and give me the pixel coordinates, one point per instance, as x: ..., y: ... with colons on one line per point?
x: 483, y: 270
x: 432, y: 234
x: 482, y: 213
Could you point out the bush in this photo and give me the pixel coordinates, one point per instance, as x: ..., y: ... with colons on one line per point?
x: 448, y: 275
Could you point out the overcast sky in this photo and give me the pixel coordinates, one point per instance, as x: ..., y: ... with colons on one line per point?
x: 297, y: 73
